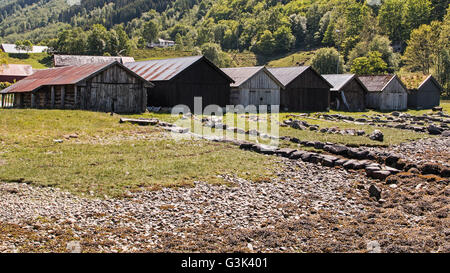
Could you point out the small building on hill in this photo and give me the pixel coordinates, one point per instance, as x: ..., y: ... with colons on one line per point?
x: 162, y: 43
x: 12, y: 49
x: 109, y: 87
x: 179, y: 80
x: 253, y: 86
x: 14, y: 72
x: 70, y: 60
x: 348, y: 92
x: 385, y: 92
x: 305, y: 90
x: 424, y: 91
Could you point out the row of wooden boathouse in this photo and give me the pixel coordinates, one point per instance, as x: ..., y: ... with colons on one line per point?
x: 125, y: 86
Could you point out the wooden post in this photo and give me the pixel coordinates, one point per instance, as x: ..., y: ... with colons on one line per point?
x: 75, y: 99
x: 33, y: 100
x: 63, y: 95
x: 1, y: 106
x: 21, y: 100
x: 52, y: 97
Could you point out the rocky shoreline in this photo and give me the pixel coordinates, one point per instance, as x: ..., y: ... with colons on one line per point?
x: 306, y: 207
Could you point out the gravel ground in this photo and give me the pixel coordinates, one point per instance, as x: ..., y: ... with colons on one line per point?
x: 307, y: 207
x: 435, y: 149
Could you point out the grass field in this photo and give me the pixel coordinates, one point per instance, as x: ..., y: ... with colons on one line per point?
x: 295, y: 59
x: 109, y: 158
x: 99, y: 156
x: 158, y: 53
x: 37, y: 61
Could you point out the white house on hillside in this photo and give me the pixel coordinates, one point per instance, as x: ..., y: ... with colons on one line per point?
x: 162, y: 43
x: 11, y: 48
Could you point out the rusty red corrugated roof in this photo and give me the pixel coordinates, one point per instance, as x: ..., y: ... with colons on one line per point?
x: 55, y: 76
x: 16, y: 70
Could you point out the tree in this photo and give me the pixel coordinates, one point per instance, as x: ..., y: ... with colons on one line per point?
x: 370, y: 65
x: 422, y: 48
x: 3, y: 59
x: 313, y: 16
x: 71, y: 41
x: 390, y: 19
x: 97, y: 40
x: 265, y: 44
x: 379, y: 43
x: 284, y: 40
x: 298, y: 28
x: 214, y: 53
x: 24, y: 45
x: 328, y: 61
x: 442, y: 65
x: 150, y: 31
x: 417, y: 12
x: 124, y: 46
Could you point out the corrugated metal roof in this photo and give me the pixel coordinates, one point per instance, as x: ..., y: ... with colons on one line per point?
x: 338, y: 80
x: 11, y: 48
x: 162, y: 70
x: 70, y: 60
x: 16, y: 70
x: 376, y: 83
x: 287, y: 74
x: 55, y: 76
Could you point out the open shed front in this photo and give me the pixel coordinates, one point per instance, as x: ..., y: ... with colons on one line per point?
x: 97, y: 87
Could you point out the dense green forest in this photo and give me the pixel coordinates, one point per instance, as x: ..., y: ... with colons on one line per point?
x: 364, y: 37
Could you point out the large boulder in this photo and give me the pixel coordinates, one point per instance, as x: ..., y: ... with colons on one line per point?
x: 328, y: 160
x: 378, y: 174
x: 392, y: 159
x: 306, y: 156
x: 374, y: 192
x: 285, y: 152
x: 377, y: 135
x: 296, y: 155
x: 430, y: 168
x: 446, y: 133
x: 434, y: 130
x: 336, y: 149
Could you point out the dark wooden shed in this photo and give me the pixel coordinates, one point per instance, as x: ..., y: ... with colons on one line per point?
x: 348, y: 92
x: 98, y: 87
x: 424, y: 91
x: 305, y: 89
x: 178, y: 80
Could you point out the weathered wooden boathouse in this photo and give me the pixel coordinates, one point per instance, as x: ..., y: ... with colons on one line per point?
x: 348, y: 92
x: 385, y: 92
x: 305, y: 90
x: 253, y: 86
x: 106, y: 87
x: 179, y: 80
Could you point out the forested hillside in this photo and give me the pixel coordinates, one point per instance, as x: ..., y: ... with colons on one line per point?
x: 365, y: 37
